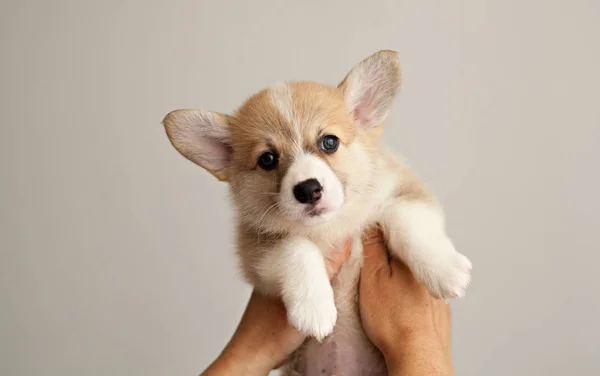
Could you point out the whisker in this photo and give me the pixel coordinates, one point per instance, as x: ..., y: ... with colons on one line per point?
x: 263, y: 217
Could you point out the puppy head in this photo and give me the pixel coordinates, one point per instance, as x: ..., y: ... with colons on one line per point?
x: 298, y: 153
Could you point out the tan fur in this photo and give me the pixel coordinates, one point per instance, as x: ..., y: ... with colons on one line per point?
x: 256, y: 124
x: 290, y: 119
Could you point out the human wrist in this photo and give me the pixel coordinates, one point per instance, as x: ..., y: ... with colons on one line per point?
x: 238, y: 359
x: 418, y: 358
x: 262, y: 340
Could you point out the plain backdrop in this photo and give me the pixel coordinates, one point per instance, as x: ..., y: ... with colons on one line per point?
x: 116, y: 253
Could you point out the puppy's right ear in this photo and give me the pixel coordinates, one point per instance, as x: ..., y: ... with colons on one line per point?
x: 203, y: 137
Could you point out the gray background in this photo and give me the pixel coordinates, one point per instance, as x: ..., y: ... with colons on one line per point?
x: 116, y: 253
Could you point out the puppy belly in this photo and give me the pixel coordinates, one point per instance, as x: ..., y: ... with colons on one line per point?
x: 343, y: 355
x: 347, y: 351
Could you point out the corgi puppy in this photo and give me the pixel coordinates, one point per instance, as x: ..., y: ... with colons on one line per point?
x: 306, y: 169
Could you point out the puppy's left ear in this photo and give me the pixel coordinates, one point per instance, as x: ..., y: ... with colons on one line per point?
x: 370, y: 87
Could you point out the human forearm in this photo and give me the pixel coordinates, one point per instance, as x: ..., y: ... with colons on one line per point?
x: 419, y: 358
x: 241, y: 359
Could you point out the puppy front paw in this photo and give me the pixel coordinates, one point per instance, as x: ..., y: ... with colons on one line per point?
x: 315, y: 315
x: 447, y: 273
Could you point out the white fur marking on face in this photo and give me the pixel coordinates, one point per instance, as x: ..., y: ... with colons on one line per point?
x: 308, y: 166
x: 281, y: 97
x: 416, y: 232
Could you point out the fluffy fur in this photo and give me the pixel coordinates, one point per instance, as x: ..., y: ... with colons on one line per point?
x: 282, y: 242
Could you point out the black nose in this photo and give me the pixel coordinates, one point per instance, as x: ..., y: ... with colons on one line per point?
x: 308, y: 191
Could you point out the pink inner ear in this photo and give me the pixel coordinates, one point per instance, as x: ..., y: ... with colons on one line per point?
x: 365, y: 107
x: 228, y: 150
x: 216, y: 154
x: 357, y: 115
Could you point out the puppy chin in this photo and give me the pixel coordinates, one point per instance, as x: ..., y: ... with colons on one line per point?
x: 317, y: 216
x: 311, y: 215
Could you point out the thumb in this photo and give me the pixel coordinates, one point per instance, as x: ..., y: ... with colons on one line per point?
x: 375, y: 258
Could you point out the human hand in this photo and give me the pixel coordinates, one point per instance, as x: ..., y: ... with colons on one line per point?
x: 264, y: 339
x: 400, y: 317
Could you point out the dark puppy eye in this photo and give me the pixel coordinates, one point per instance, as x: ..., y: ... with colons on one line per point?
x: 329, y: 144
x: 268, y: 161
